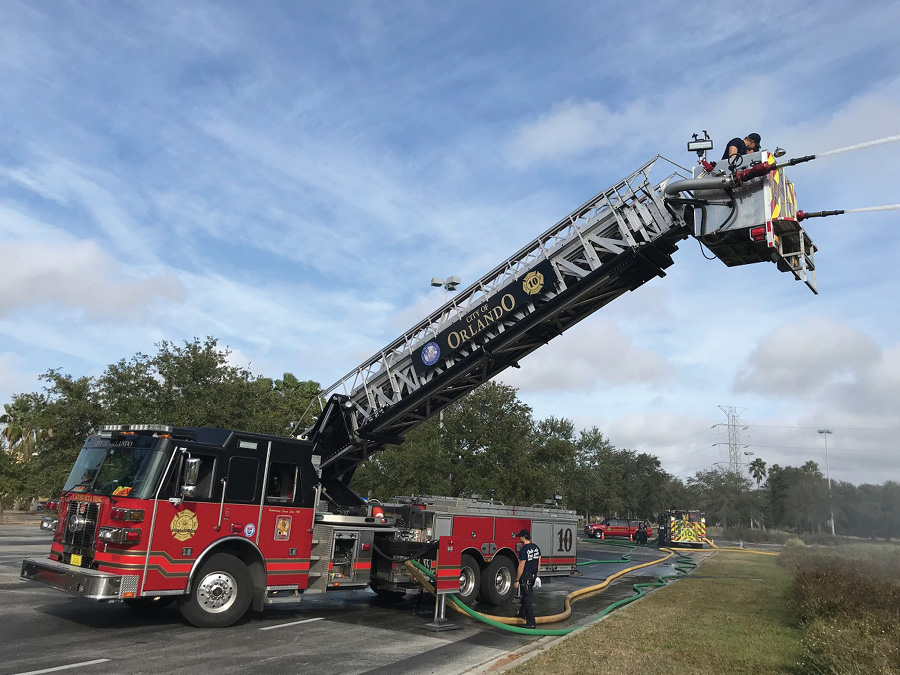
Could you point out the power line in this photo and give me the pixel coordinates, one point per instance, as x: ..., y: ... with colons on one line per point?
x: 778, y: 426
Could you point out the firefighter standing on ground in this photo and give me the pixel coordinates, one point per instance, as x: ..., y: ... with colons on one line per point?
x: 641, y: 535
x: 529, y: 565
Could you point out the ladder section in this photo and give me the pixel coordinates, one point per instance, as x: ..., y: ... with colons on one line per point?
x: 612, y: 244
x: 468, y: 506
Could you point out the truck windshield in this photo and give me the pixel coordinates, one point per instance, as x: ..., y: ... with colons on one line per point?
x: 119, y: 469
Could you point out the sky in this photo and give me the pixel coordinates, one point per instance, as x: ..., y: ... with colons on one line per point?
x: 288, y: 177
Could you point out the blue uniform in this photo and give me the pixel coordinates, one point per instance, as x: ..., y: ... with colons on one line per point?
x: 739, y: 144
x: 531, y: 554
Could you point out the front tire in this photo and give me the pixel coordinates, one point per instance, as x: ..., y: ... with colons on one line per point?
x: 469, y: 580
x: 498, y: 581
x: 220, y: 593
x: 598, y: 534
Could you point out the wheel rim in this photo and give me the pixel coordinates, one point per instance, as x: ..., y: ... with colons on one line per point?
x: 503, y: 580
x: 466, y: 581
x: 217, y: 592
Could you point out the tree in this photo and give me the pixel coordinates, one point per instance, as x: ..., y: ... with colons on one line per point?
x: 488, y: 442
x: 722, y: 494
x: 19, y: 430
x: 595, y: 485
x: 757, y: 469
x: 11, y: 480
x: 183, y: 385
x: 798, y: 497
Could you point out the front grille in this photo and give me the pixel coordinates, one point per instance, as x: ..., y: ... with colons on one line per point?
x: 79, y: 531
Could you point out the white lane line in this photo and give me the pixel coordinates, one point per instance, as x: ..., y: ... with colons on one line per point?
x: 71, y: 665
x: 293, y: 623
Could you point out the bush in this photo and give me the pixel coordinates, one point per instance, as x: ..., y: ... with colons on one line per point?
x: 854, y: 646
x: 880, y: 561
x: 833, y: 592
x: 848, y: 600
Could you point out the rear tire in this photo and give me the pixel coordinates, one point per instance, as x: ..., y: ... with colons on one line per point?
x: 469, y: 580
x: 221, y: 592
x: 498, y: 581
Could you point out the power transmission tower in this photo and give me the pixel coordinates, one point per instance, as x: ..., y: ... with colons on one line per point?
x: 734, y: 437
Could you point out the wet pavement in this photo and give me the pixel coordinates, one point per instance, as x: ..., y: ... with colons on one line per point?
x: 376, y: 636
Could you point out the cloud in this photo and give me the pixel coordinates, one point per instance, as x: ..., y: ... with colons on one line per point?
x: 799, y: 358
x: 587, y: 357
x: 78, y: 275
x: 593, y: 130
x: 12, y: 379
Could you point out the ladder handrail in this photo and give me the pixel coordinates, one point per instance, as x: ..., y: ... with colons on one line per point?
x: 526, y: 256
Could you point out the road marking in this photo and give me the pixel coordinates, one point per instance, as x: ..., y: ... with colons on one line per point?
x: 284, y: 625
x: 71, y: 665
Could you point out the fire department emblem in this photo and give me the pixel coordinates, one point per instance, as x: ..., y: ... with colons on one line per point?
x: 282, y: 528
x: 533, y: 283
x: 431, y: 353
x: 249, y: 530
x: 184, y: 525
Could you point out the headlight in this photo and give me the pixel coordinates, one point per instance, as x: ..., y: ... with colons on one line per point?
x: 119, y: 535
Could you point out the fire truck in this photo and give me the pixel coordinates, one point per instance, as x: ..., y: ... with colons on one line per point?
x: 682, y: 528
x: 223, y: 521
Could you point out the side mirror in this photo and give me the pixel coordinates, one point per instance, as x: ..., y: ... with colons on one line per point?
x: 191, y: 474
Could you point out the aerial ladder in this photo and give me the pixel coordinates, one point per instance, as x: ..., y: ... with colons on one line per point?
x: 614, y: 243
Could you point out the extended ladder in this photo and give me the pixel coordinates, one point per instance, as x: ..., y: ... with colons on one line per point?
x: 613, y: 243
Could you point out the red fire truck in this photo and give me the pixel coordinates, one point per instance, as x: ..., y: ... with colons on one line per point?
x: 223, y: 520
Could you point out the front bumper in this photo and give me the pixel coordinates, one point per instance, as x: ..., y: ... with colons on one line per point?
x: 78, y: 580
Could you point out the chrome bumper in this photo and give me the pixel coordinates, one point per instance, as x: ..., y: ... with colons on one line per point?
x: 78, y: 580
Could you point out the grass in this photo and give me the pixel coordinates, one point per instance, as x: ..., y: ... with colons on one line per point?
x: 729, y: 616
x: 847, y: 600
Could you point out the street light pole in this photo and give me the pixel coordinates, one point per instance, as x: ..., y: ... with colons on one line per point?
x: 748, y: 455
x: 448, y: 284
x: 825, y: 433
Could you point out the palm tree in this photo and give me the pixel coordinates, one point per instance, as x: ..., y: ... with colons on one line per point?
x: 20, y: 437
x: 757, y: 470
x: 17, y: 438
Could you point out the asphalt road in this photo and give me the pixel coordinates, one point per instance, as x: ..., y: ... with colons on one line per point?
x: 346, y: 632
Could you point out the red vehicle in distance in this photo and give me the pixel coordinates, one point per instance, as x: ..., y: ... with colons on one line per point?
x: 615, y: 527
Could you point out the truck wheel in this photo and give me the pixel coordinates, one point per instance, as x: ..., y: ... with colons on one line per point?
x: 220, y: 594
x: 469, y: 579
x: 597, y: 534
x: 498, y: 581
